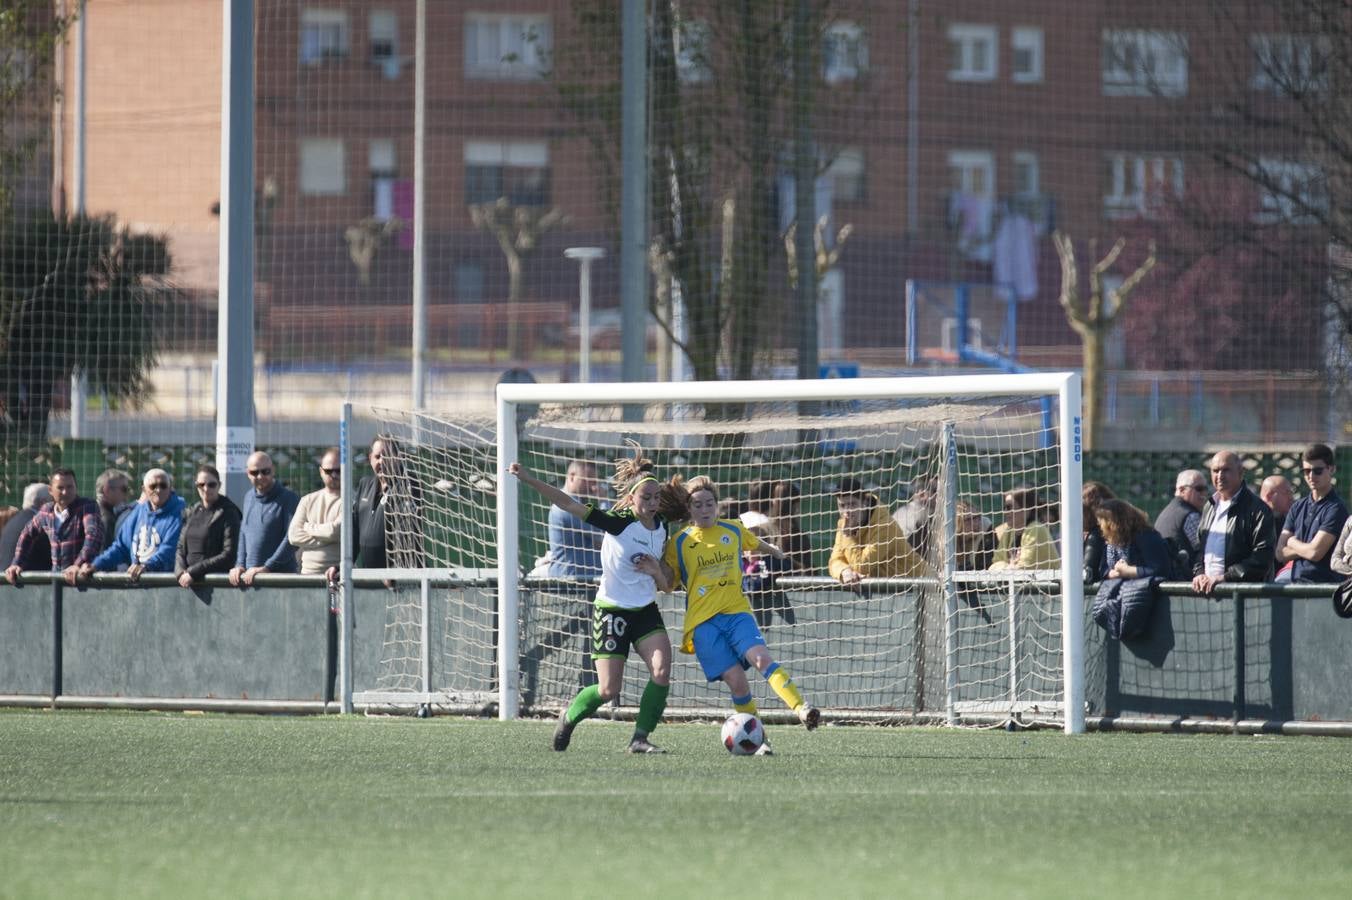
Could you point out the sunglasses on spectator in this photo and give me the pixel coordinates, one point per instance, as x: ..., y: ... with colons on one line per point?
x: 257, y: 473
x: 1200, y: 488
x: 157, y: 486
x: 330, y: 471
x: 203, y: 485
x: 1314, y: 470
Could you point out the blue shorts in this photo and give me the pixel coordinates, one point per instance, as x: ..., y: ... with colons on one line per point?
x: 722, y: 642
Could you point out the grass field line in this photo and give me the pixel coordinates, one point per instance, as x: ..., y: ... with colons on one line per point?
x: 836, y: 792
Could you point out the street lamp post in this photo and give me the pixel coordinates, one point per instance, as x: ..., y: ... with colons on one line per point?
x: 585, y: 256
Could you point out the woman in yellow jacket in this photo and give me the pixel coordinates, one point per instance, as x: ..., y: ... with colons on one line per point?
x: 1022, y: 541
x: 868, y: 542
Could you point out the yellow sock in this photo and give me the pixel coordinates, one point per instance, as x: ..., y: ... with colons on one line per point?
x: 744, y: 704
x: 788, y: 691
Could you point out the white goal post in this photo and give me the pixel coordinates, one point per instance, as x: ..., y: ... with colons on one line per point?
x: 979, y: 436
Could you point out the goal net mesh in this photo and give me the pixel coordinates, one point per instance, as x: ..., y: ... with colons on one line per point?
x: 957, y: 642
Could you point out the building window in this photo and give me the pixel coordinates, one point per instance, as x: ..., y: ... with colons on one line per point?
x: 323, y: 35
x: 1290, y: 65
x: 506, y: 47
x: 1025, y: 45
x: 846, y: 172
x: 384, y: 172
x: 692, y: 38
x: 384, y: 41
x: 1291, y: 192
x: 972, y: 172
x: 1027, y: 176
x: 517, y: 170
x: 469, y: 281
x: 844, y: 52
x: 323, y: 171
x: 973, y: 52
x: 971, y: 202
x: 1139, y: 185
x: 1144, y: 63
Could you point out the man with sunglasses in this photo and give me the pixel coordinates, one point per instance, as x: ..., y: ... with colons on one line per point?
x: 1235, y: 532
x: 1313, y: 524
x: 147, y: 536
x: 268, y: 510
x: 1177, y: 523
x: 315, y: 527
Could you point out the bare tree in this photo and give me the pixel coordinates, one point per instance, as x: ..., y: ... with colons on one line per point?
x: 365, y: 239
x: 1093, y: 317
x: 826, y: 257
x: 721, y: 74
x: 518, y: 230
x: 31, y: 33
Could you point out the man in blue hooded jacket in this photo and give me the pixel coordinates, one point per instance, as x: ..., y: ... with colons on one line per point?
x: 147, y: 537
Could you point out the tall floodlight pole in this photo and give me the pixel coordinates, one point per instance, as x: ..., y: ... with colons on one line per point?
x: 585, y: 256
x: 79, y: 383
x: 234, y: 322
x: 805, y: 193
x: 419, y: 220
x: 913, y: 118
x: 634, y: 190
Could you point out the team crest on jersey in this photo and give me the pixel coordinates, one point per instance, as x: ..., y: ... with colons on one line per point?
x: 725, y: 539
x: 703, y: 589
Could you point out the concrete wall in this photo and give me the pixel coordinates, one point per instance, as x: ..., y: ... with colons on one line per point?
x: 1297, y: 660
x: 274, y: 644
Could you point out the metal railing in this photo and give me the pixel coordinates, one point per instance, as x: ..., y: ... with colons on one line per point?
x: 1270, y: 659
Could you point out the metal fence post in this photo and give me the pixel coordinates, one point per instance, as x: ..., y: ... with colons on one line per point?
x: 1239, y: 657
x: 57, y: 627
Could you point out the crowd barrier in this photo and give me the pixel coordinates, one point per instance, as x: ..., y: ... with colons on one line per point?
x: 1253, y: 658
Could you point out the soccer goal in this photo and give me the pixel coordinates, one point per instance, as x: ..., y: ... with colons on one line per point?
x: 958, y: 643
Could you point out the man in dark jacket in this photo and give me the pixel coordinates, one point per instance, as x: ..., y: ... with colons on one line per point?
x: 385, y: 513
x: 112, y: 492
x: 1235, y: 531
x: 39, y: 555
x: 1177, y: 523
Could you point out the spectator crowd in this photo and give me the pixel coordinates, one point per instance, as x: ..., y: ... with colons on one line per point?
x: 273, y: 530
x: 1214, y: 529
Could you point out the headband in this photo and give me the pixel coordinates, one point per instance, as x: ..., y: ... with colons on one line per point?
x: 646, y: 478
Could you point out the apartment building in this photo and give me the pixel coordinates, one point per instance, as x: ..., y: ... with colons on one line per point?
x: 939, y: 124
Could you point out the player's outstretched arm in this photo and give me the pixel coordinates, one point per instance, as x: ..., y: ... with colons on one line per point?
x: 548, y: 491
x: 772, y: 549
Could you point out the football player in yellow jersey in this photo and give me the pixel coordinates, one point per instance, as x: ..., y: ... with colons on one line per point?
x: 706, y: 557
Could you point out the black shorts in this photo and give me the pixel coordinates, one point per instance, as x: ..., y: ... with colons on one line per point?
x: 614, y: 631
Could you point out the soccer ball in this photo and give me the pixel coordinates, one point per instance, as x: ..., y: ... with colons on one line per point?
x: 743, y: 734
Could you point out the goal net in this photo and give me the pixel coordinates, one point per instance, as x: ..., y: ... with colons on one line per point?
x: 974, y: 638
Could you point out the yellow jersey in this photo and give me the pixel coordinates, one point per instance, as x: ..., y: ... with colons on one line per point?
x: 708, y: 562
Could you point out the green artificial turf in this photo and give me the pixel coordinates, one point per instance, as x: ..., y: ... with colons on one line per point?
x: 169, y: 805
